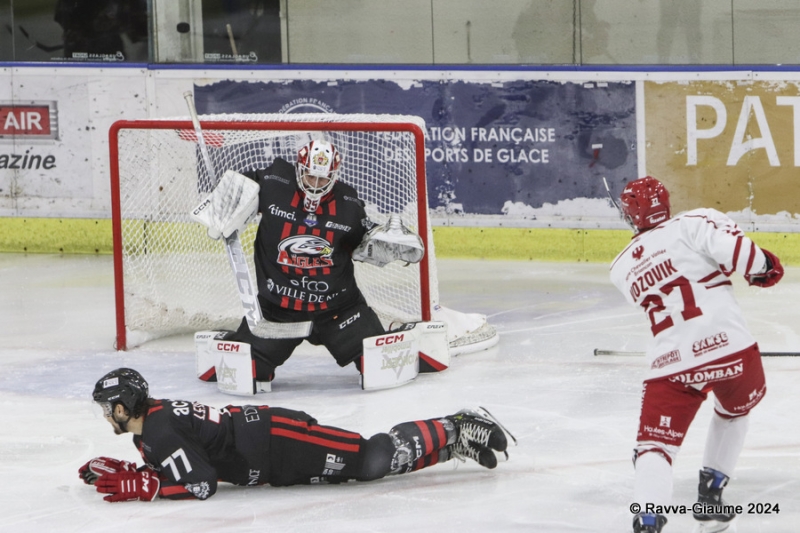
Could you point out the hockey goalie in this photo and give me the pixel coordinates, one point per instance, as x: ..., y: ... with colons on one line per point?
x: 312, y: 228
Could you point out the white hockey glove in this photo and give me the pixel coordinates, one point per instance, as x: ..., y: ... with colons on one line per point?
x: 229, y: 207
x: 392, y: 241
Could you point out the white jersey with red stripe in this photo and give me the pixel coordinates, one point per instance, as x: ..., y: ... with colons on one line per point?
x: 677, y: 272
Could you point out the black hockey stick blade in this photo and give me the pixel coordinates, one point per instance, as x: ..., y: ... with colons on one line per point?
x: 37, y: 44
x: 598, y: 351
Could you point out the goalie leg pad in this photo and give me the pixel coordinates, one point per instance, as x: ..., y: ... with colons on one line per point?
x: 390, y: 360
x: 206, y: 361
x: 235, y: 367
x: 434, y: 349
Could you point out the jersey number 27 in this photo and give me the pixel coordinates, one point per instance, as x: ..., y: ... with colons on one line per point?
x: 653, y: 304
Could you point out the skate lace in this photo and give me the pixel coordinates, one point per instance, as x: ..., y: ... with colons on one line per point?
x: 463, y: 451
x: 472, y: 432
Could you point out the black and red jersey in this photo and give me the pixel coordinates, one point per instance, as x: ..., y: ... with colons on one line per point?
x: 193, y: 446
x: 303, y: 260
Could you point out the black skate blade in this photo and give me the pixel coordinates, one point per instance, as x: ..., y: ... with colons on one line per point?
x: 486, y: 414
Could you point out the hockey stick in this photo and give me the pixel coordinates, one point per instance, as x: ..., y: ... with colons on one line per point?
x: 34, y: 42
x: 244, y: 280
x: 597, y: 351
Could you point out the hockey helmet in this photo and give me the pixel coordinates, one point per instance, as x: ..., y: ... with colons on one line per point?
x: 318, y: 162
x: 125, y: 386
x: 644, y: 203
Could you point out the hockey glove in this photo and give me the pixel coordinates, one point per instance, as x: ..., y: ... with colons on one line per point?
x: 128, y: 486
x: 773, y: 272
x: 229, y: 207
x: 103, y: 465
x: 391, y: 242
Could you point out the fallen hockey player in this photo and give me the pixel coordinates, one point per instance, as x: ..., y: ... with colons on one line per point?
x: 188, y: 447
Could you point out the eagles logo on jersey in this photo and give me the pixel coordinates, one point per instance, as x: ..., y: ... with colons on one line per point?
x: 305, y: 251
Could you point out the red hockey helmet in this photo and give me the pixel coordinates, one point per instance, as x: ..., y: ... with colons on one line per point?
x: 644, y: 203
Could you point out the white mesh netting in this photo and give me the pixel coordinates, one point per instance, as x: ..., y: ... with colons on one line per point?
x: 176, y: 280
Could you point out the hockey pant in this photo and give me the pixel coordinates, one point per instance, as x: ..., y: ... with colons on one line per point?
x: 341, y: 331
x: 669, y: 406
x: 303, y: 452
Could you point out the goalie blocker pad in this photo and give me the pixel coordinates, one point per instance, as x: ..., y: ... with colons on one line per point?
x: 228, y: 363
x: 396, y: 358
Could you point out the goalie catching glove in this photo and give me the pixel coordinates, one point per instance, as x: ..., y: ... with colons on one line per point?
x: 392, y: 241
x: 229, y: 207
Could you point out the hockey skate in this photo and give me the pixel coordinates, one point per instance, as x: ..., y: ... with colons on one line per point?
x: 713, y: 513
x: 648, y: 523
x: 479, y: 436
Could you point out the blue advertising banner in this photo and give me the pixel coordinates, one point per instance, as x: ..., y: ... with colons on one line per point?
x: 491, y: 147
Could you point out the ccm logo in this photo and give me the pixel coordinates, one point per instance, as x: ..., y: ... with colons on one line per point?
x: 201, y: 207
x: 349, y: 320
x: 389, y: 340
x: 227, y: 347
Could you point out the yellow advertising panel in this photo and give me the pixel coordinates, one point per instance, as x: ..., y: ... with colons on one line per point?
x: 730, y: 145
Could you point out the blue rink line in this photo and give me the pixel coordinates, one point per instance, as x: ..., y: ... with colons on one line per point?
x: 409, y: 67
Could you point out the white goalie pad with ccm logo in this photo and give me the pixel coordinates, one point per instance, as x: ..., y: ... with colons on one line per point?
x: 227, y: 362
x: 235, y: 373
x: 434, y: 349
x: 205, y: 361
x: 390, y: 360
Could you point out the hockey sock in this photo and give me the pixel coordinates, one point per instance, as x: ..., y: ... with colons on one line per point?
x: 725, y: 442
x: 418, y: 443
x: 653, y: 479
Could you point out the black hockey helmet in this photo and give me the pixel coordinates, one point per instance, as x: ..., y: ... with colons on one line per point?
x: 125, y: 386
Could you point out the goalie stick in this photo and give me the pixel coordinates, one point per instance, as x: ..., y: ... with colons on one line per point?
x: 598, y: 351
x: 244, y: 280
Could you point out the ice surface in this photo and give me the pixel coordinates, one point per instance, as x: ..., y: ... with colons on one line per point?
x: 574, y: 414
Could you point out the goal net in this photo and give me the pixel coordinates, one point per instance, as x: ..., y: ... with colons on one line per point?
x: 170, y: 278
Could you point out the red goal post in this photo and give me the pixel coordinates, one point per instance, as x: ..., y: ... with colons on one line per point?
x: 171, y: 278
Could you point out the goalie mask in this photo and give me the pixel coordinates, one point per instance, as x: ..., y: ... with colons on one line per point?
x: 644, y: 204
x: 318, y: 165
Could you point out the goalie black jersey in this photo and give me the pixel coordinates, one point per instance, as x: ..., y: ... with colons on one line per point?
x: 193, y: 446
x: 303, y: 260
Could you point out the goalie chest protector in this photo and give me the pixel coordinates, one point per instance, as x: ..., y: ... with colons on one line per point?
x: 303, y: 259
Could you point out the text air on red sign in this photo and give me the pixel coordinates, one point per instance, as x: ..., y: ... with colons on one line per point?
x: 27, y: 121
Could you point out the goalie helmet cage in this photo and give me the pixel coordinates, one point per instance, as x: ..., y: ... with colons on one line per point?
x: 171, y: 278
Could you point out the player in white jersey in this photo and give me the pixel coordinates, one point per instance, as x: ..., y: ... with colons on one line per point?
x: 677, y: 270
